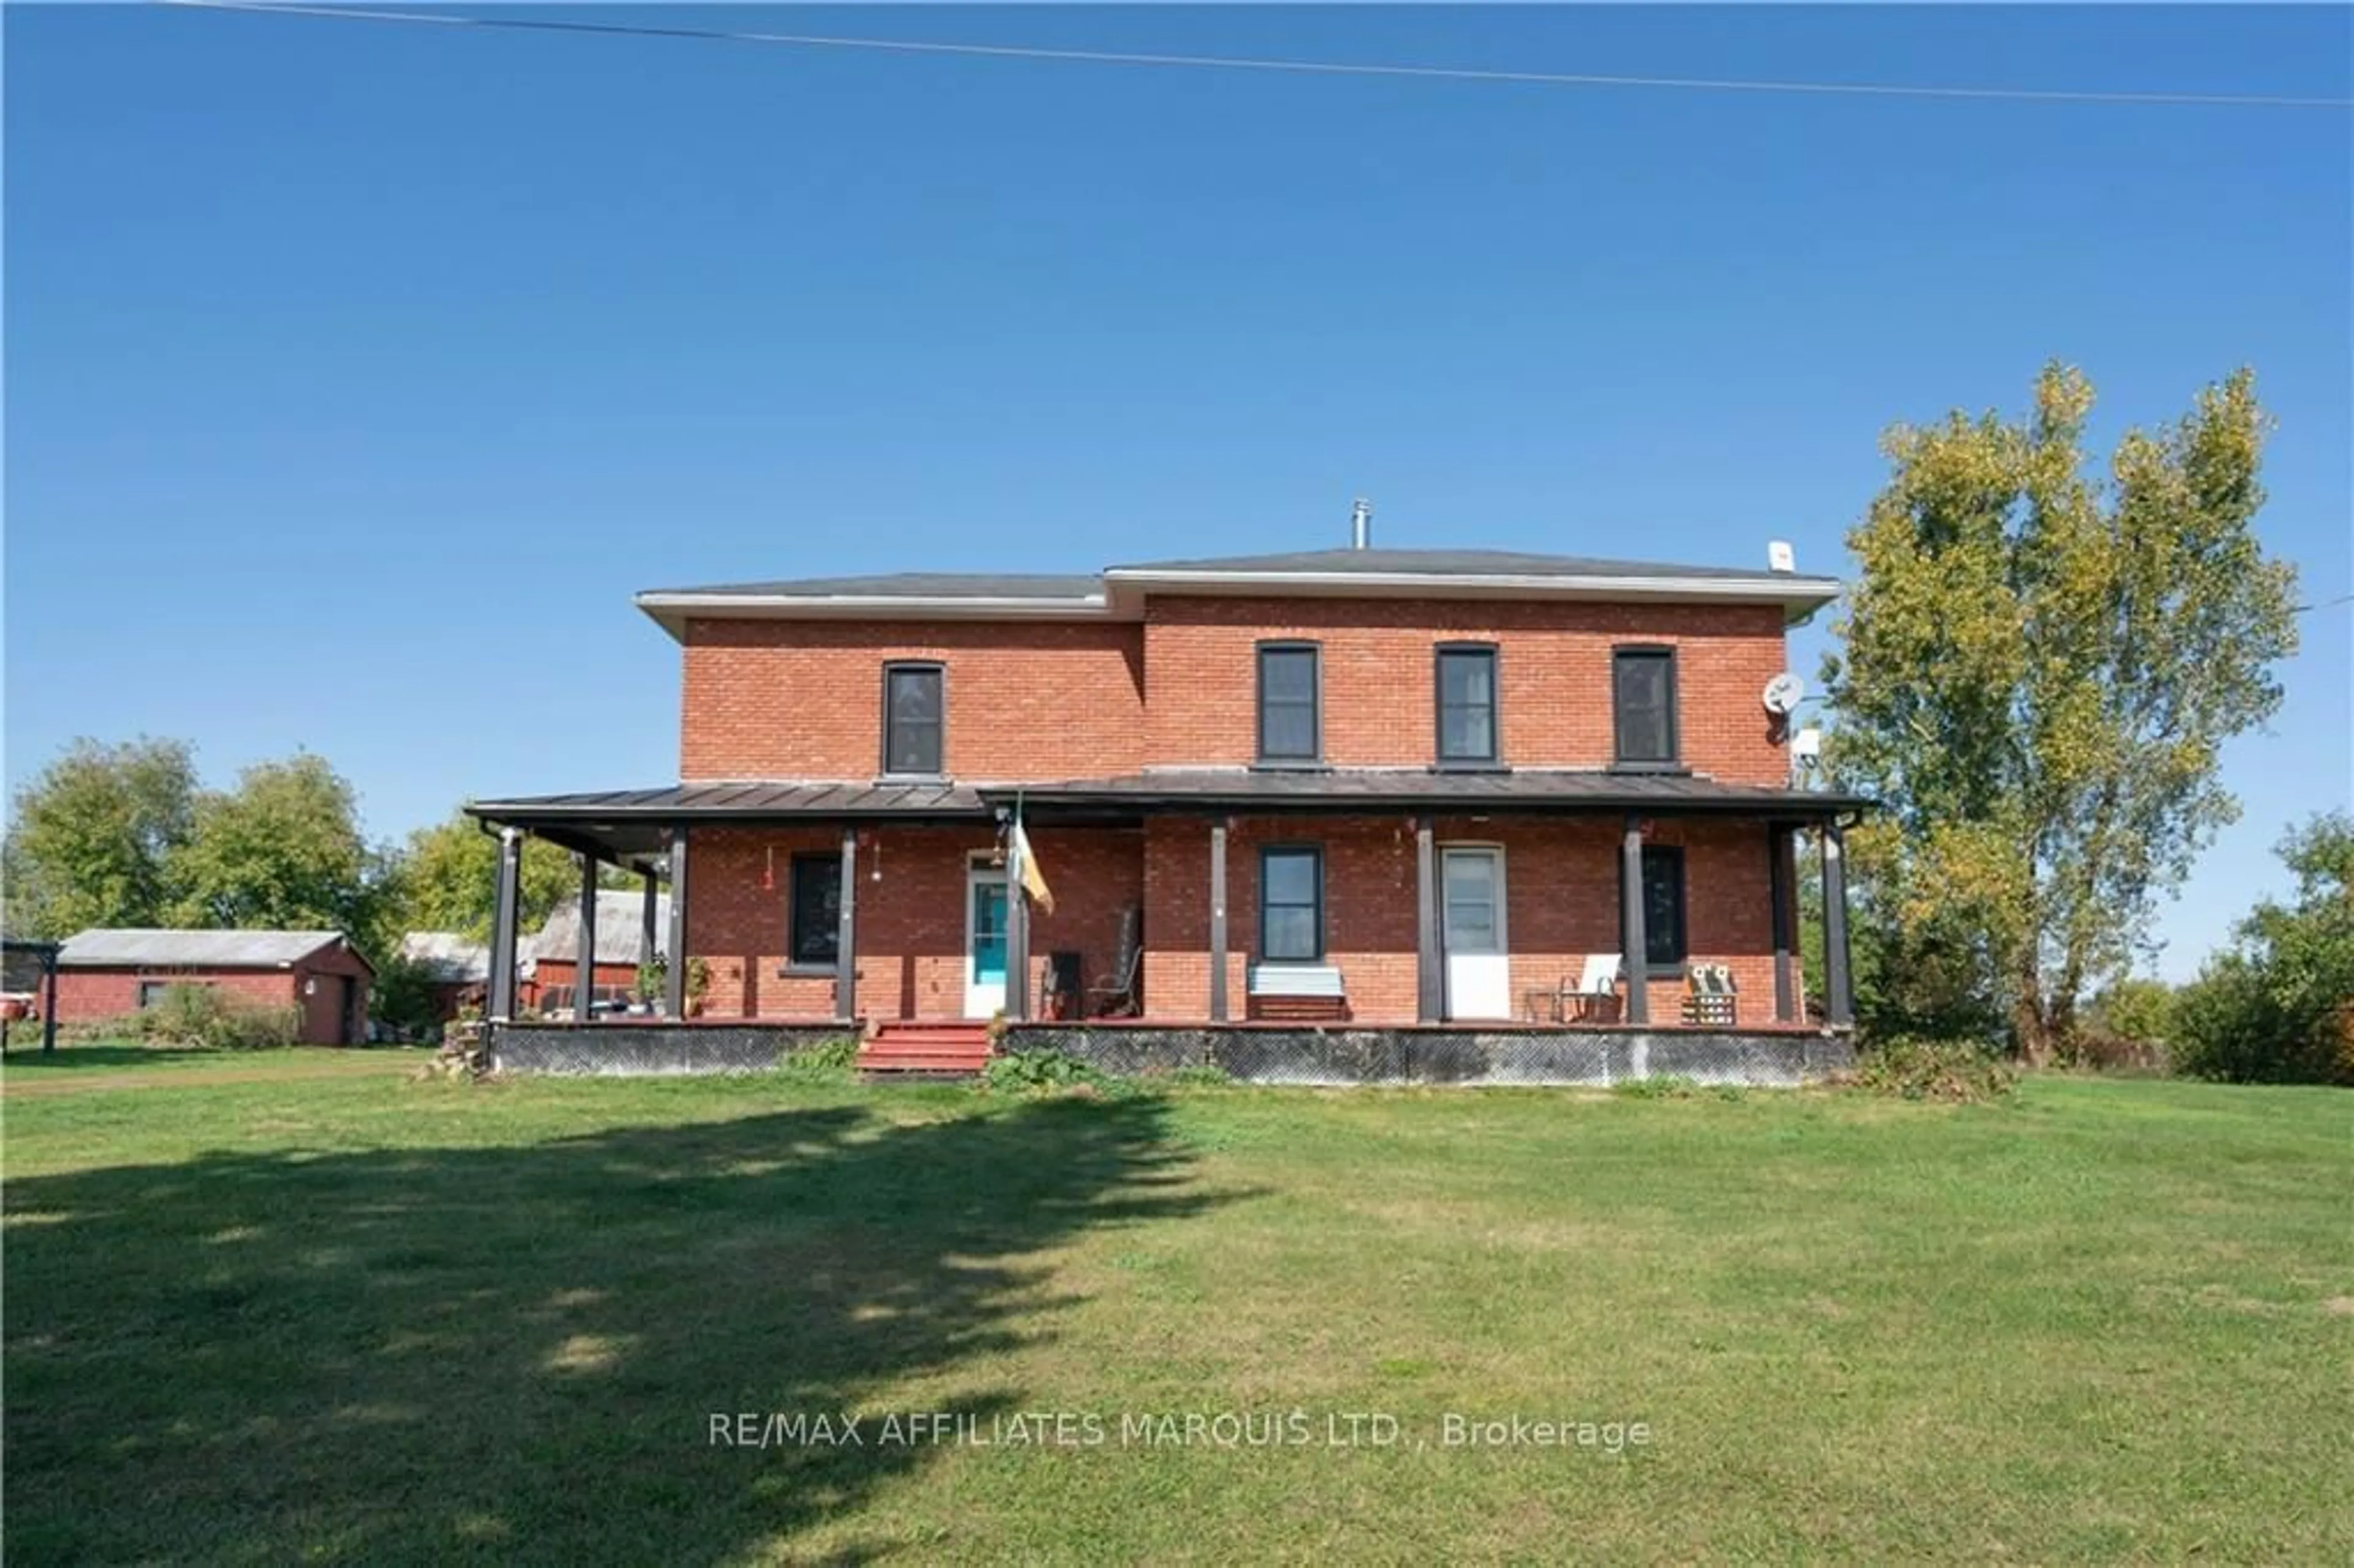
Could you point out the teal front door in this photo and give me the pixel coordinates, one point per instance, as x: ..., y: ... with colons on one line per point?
x: 984, y: 942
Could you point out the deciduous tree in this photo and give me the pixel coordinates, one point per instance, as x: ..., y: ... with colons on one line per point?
x: 2041, y: 666
x: 92, y: 838
x: 2279, y: 1007
x: 283, y: 850
x: 450, y: 879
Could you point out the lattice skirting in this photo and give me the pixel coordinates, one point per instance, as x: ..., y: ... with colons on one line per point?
x: 1468, y: 1056
x: 644, y: 1049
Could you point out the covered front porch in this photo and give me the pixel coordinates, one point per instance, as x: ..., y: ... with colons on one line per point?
x: 1544, y: 902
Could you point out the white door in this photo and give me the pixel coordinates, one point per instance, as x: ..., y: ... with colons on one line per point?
x: 984, y: 942
x: 1471, y: 936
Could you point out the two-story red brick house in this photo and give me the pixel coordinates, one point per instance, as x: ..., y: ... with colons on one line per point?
x: 1382, y: 788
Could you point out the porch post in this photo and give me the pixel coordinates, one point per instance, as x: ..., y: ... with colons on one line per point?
x: 1838, y: 996
x: 501, y: 1000
x: 650, y: 920
x: 1428, y: 981
x: 845, y: 932
x: 1017, y: 939
x: 1219, y: 920
x: 1630, y: 921
x: 584, y: 972
x: 1777, y: 883
x: 50, y: 1003
x: 675, y: 975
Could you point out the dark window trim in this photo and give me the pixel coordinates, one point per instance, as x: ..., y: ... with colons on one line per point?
x: 1674, y: 761
x: 1494, y: 761
x: 1258, y: 702
x: 1662, y: 970
x: 1315, y: 850
x: 890, y: 667
x: 794, y: 964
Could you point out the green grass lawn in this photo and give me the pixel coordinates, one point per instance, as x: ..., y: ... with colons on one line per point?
x: 337, y: 1314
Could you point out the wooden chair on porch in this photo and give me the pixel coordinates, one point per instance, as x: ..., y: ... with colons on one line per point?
x: 1114, y: 996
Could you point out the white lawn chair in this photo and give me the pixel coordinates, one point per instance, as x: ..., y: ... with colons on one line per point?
x: 1597, y: 999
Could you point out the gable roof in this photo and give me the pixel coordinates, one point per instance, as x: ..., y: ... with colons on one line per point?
x: 1117, y: 593
x: 912, y: 584
x: 451, y: 958
x: 115, y: 946
x: 1382, y: 562
x: 621, y: 929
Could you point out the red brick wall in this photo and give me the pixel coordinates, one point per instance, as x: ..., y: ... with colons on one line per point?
x: 1379, y: 707
x: 911, y: 918
x: 802, y: 699
x: 90, y: 995
x: 1095, y: 875
x: 1561, y: 903
x: 86, y: 995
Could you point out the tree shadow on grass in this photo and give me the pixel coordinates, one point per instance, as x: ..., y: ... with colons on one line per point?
x: 515, y: 1354
x: 25, y: 1051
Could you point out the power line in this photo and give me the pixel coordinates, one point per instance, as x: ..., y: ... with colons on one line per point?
x: 2325, y: 604
x: 1304, y: 67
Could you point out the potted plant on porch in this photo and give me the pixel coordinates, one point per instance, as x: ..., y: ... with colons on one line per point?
x: 647, y: 988
x: 698, y: 981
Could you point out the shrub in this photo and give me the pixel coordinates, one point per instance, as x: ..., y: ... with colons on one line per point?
x: 828, y: 1061
x: 2279, y: 1007
x: 1037, y: 1072
x: 1667, y: 1087
x: 1912, y: 1067
x: 2239, y: 1025
x: 214, y: 1019
x: 1199, y: 1075
x: 2136, y: 1012
x: 2106, y: 1052
x: 403, y: 998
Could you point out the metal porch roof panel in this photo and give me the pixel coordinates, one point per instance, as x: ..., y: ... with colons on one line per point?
x: 1539, y: 790
x: 741, y: 800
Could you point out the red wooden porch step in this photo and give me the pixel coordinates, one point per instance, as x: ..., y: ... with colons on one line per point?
x: 920, y: 1046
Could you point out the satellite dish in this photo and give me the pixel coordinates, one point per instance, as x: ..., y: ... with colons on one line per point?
x: 1784, y: 693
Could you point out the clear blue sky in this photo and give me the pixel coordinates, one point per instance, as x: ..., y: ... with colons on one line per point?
x: 357, y: 373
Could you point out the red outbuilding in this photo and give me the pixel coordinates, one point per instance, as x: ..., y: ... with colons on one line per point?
x: 106, y: 974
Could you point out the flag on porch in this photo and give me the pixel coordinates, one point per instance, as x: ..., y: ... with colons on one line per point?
x: 1033, y: 880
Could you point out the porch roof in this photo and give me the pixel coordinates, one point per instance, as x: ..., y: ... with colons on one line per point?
x: 630, y: 825
x: 1358, y: 789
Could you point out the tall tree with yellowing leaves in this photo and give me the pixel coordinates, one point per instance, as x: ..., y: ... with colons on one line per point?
x: 2041, y: 666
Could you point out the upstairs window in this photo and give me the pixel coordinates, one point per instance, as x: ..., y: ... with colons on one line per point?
x: 1664, y: 948
x: 1289, y: 723
x: 912, y: 718
x: 1467, y: 704
x: 1643, y: 701
x: 1291, y: 905
x: 813, y: 912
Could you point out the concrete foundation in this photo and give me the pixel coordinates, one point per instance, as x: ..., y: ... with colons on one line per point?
x: 1454, y: 1054
x: 653, y: 1048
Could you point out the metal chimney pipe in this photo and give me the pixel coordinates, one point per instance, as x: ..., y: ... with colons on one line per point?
x: 1361, y: 524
